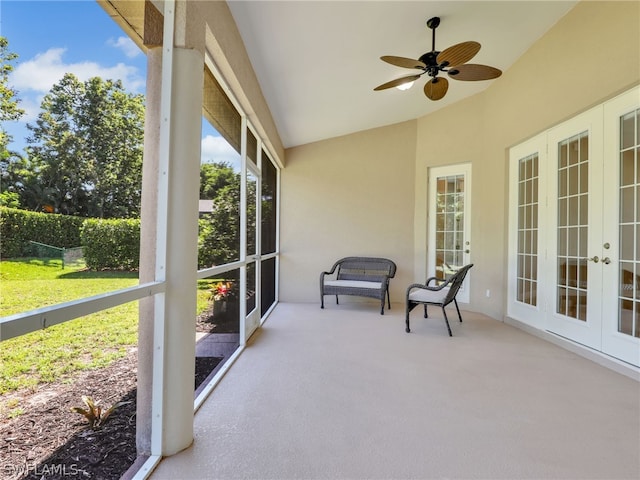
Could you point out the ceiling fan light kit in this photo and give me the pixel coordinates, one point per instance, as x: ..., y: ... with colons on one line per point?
x: 406, y: 86
x: 452, y: 60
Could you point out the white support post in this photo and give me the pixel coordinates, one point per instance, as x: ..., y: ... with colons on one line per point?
x: 182, y: 252
x: 176, y: 247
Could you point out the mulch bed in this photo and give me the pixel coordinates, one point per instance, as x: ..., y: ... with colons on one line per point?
x: 49, y: 441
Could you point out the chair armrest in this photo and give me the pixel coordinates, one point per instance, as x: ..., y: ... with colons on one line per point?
x: 441, y: 285
x: 415, y: 285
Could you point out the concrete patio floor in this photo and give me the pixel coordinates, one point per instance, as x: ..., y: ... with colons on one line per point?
x: 345, y: 393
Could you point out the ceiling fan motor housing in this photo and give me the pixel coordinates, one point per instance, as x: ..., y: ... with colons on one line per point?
x: 430, y: 60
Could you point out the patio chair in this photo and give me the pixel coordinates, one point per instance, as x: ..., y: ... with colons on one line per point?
x: 440, y: 295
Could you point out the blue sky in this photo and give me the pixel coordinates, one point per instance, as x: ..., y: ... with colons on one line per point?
x: 54, y: 37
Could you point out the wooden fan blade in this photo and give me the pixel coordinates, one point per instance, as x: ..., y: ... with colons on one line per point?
x: 397, y: 81
x: 458, y: 54
x: 403, y: 62
x: 473, y: 72
x: 436, y: 88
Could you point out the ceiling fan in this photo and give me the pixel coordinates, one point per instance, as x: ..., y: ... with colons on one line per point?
x: 452, y: 60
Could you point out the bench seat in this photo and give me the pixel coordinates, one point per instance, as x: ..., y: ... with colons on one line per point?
x: 353, y: 284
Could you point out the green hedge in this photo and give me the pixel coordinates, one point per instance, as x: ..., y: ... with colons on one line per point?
x: 111, y: 244
x: 18, y: 227
x: 107, y: 244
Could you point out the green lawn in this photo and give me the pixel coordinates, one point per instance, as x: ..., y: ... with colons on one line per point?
x: 55, y: 353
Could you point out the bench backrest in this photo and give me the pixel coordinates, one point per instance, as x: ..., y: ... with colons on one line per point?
x: 370, y: 269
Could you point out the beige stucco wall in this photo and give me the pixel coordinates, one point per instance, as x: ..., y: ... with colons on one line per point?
x: 350, y: 195
x: 590, y: 55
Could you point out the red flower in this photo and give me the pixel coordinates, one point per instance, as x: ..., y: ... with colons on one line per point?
x: 221, y: 290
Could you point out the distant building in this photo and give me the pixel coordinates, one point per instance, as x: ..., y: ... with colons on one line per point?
x: 205, y: 206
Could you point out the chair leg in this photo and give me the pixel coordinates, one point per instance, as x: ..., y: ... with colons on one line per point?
x: 388, y: 299
x: 447, y: 320
x: 426, y: 315
x: 337, y: 300
x: 382, y: 306
x: 407, y: 329
x: 459, y: 316
x: 321, y: 300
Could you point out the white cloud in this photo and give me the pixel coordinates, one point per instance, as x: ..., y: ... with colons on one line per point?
x: 45, y: 69
x: 128, y: 47
x: 216, y: 149
x: 35, y: 77
x: 31, y: 107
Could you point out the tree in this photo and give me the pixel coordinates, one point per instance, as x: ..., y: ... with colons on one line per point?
x: 20, y: 183
x: 219, y: 236
x: 9, y: 110
x: 214, y: 177
x: 86, y: 148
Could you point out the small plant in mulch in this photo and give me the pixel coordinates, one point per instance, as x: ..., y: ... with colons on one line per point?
x: 94, y: 413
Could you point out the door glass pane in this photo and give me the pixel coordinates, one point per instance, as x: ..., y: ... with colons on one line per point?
x: 628, y: 130
x: 527, y: 230
x: 629, y: 226
x: 573, y: 191
x: 627, y: 167
x: 449, y: 224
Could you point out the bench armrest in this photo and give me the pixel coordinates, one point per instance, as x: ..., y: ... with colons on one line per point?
x: 330, y: 272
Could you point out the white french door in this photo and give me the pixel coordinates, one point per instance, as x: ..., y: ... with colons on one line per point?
x: 574, y: 229
x: 621, y: 262
x: 526, y: 228
x: 574, y: 242
x: 449, y: 242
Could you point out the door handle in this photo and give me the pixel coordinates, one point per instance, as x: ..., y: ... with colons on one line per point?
x: 606, y: 260
x: 594, y: 259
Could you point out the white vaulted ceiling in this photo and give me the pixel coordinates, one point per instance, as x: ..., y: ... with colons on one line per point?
x: 318, y: 61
